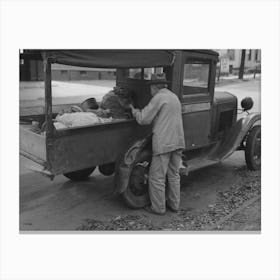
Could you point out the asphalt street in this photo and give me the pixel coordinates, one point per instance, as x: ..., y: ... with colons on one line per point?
x: 64, y: 205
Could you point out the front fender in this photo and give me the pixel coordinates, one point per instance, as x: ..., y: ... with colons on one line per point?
x: 234, y: 137
x: 126, y: 163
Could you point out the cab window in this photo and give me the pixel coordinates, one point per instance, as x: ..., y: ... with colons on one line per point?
x: 196, y: 77
x: 143, y: 73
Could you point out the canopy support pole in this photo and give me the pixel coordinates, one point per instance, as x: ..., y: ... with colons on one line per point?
x: 48, y: 106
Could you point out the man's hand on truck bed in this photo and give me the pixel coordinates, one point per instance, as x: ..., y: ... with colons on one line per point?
x: 133, y: 110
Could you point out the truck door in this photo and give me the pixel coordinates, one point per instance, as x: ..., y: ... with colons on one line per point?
x: 196, y: 97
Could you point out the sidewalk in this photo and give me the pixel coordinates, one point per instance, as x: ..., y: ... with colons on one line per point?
x: 243, y: 88
x: 224, y: 80
x: 33, y: 93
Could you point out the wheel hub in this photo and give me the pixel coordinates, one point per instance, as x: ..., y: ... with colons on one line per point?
x: 139, y: 179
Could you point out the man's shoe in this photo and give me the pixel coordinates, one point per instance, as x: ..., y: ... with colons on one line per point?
x: 150, y: 210
x: 172, y: 209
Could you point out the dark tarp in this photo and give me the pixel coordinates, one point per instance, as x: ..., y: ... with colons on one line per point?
x: 111, y: 58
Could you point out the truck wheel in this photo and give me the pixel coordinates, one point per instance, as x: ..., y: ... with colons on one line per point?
x: 107, y: 169
x: 253, y: 148
x: 136, y: 195
x: 79, y: 175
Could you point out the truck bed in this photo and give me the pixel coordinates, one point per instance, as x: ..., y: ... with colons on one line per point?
x: 78, y: 148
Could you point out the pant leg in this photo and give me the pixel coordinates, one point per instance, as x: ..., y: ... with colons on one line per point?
x: 173, y: 189
x: 157, y: 176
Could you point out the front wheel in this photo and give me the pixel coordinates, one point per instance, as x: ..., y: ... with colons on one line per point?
x: 79, y: 175
x: 253, y: 148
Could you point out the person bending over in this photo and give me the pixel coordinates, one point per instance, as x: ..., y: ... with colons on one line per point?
x: 168, y: 141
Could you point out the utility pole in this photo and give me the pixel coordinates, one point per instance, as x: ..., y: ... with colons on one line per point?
x: 242, y: 63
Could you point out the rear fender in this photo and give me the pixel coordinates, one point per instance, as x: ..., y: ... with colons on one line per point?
x: 234, y: 137
x: 126, y: 162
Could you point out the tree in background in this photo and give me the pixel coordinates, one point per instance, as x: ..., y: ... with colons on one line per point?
x: 242, y: 64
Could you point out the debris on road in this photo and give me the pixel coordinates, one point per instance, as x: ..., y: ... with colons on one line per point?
x: 120, y: 223
x: 186, y: 219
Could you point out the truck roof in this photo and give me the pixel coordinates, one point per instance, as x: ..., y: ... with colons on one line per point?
x: 112, y: 58
x: 203, y: 51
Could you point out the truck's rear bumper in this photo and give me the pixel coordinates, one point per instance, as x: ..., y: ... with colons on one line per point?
x: 36, y: 165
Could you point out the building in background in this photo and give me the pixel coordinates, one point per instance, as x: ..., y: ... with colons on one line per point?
x: 73, y: 73
x: 230, y: 60
x: 31, y: 69
x: 31, y: 66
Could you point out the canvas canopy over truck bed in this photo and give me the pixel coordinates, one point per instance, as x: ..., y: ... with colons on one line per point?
x: 111, y: 58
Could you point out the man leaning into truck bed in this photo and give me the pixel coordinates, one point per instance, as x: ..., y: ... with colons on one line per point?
x: 164, y: 112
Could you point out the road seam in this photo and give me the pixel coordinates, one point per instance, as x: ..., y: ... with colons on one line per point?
x: 233, y: 213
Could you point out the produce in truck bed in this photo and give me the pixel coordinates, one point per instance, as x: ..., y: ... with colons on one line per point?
x: 79, y: 119
x: 117, y: 101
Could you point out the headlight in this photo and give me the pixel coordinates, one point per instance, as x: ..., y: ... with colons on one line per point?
x: 247, y: 103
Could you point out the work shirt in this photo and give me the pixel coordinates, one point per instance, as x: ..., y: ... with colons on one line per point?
x: 165, y: 114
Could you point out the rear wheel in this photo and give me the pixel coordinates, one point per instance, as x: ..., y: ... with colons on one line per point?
x: 136, y: 194
x: 79, y: 175
x: 253, y: 148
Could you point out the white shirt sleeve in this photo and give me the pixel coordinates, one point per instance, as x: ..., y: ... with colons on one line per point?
x: 148, y: 113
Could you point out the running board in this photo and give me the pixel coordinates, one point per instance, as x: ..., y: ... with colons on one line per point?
x: 195, y: 164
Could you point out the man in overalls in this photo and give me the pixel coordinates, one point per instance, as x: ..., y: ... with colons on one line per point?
x: 164, y: 112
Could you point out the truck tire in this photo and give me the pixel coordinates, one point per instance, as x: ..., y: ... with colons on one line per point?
x: 136, y: 195
x: 79, y: 175
x: 107, y: 169
x: 253, y: 148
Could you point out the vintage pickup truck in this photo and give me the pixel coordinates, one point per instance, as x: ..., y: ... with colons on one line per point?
x: 212, y: 129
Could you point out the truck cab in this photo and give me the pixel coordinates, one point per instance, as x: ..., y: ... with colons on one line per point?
x: 205, y: 114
